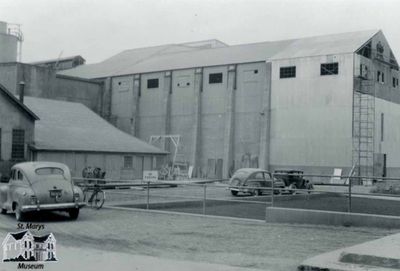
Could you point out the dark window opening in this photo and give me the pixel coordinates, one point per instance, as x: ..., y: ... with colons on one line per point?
x: 152, y: 83
x: 215, y: 78
x: 128, y: 162
x: 255, y: 71
x: 378, y: 76
x: 366, y: 50
x: 18, y: 146
x: 330, y: 68
x: 188, y: 84
x: 383, y: 77
x: 394, y: 82
x: 287, y: 72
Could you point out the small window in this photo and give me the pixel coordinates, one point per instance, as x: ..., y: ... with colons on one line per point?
x: 215, y: 78
x: 330, y: 68
x: 394, y: 82
x: 20, y: 176
x: 128, y: 162
x: 378, y: 76
x: 287, y: 72
x: 383, y: 77
x: 255, y: 71
x: 12, y: 177
x: 152, y: 83
x: 49, y: 171
x: 18, y: 146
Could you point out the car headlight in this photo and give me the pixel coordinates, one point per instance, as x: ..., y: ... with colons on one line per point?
x: 76, y: 196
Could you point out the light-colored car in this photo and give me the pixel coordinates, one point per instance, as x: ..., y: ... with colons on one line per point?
x: 36, y: 186
x: 254, y: 181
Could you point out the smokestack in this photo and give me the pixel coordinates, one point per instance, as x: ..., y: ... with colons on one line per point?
x: 21, y: 91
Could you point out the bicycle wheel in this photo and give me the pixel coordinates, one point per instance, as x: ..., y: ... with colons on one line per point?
x: 98, y: 199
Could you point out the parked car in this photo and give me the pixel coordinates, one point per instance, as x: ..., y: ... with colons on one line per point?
x: 252, y: 180
x: 36, y: 186
x: 293, y: 179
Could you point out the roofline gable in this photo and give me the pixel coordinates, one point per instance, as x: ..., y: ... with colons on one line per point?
x: 18, y: 103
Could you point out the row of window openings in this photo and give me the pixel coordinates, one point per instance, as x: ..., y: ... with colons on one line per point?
x: 213, y: 78
x: 18, y: 144
x: 326, y: 69
x: 380, y: 77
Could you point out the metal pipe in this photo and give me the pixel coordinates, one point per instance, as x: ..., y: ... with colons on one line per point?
x: 148, y: 195
x: 349, y: 198
x: 204, y: 199
x: 21, y: 91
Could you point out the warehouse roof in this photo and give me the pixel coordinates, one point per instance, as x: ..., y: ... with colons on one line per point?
x: 171, y: 57
x: 67, y: 126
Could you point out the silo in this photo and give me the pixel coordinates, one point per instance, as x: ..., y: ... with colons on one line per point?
x: 8, y: 45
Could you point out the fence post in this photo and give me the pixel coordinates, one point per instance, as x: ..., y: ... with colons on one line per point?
x: 349, y: 199
x: 273, y: 190
x: 148, y: 195
x: 204, y: 198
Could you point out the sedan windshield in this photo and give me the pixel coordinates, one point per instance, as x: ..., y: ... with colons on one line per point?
x: 49, y: 171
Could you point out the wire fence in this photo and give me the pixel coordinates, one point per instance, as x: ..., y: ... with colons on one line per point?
x: 210, y: 197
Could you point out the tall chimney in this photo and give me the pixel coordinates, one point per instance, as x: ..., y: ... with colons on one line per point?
x: 21, y: 91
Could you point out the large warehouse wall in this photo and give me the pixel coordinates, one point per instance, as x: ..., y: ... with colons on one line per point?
x: 249, y: 112
x: 222, y: 125
x: 311, y: 115
x: 153, y: 102
x: 183, y: 110
x: 213, y: 106
x: 387, y: 134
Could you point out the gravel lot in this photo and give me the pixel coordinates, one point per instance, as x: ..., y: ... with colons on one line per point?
x: 194, y: 238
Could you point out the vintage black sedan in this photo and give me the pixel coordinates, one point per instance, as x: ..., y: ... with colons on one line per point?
x: 36, y: 186
x: 293, y: 179
x: 254, y: 181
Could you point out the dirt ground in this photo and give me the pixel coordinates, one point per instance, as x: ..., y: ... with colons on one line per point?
x: 198, y: 239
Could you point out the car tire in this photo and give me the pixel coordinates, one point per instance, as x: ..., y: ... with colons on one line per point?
x: 3, y: 211
x: 234, y: 193
x: 73, y: 213
x: 19, y: 215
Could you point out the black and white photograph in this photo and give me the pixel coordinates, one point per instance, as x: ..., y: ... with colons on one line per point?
x: 200, y: 135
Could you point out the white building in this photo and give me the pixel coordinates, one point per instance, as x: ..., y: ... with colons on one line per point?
x: 23, y: 246
x: 314, y: 103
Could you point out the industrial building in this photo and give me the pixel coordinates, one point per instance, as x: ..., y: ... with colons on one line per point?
x: 72, y: 134
x: 315, y: 103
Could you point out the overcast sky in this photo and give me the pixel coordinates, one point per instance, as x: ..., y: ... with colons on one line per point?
x: 97, y: 29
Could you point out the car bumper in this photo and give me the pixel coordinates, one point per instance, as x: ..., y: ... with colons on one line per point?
x: 52, y: 206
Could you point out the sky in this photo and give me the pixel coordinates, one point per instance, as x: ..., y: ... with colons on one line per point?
x: 98, y: 29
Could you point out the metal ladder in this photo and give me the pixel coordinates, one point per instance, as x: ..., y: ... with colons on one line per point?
x: 363, y: 132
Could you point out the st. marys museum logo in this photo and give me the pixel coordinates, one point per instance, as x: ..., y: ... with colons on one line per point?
x: 24, y: 247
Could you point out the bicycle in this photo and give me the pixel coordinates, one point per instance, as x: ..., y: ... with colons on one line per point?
x: 97, y: 196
